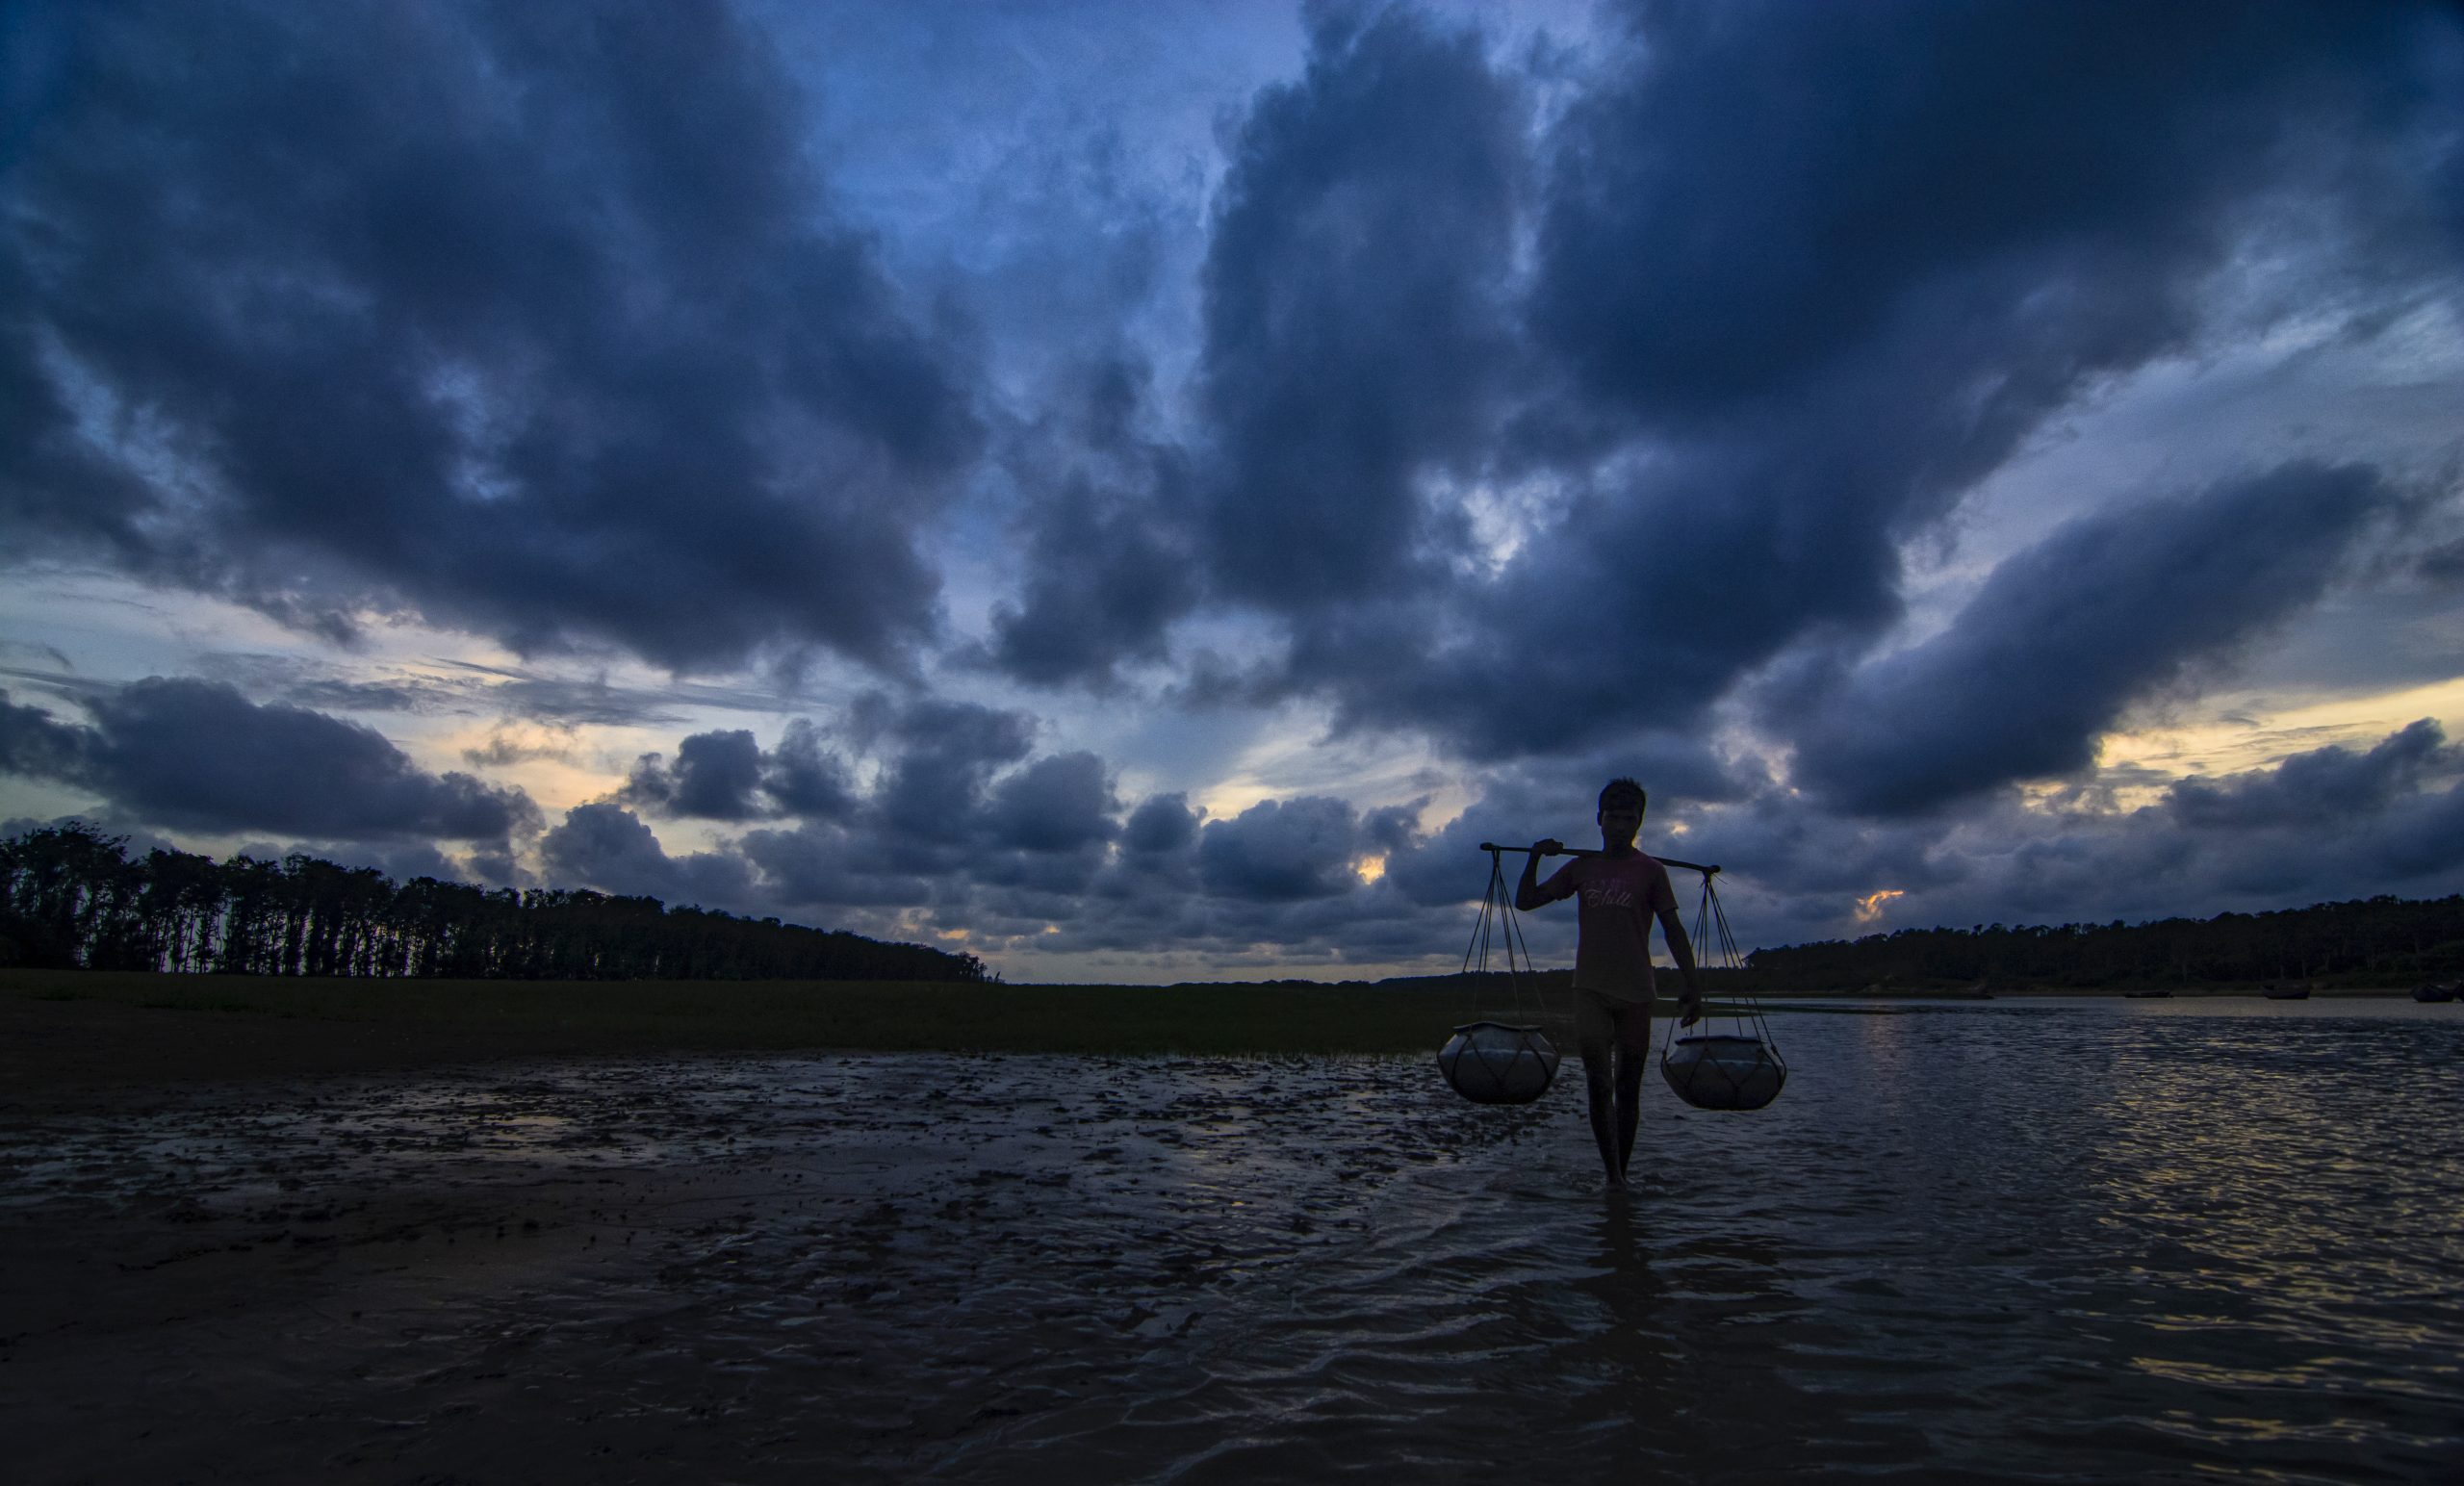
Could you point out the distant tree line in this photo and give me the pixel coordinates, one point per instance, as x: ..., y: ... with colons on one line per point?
x: 2380, y: 939
x: 71, y: 897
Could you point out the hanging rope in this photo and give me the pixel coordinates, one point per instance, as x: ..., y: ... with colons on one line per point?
x: 1741, y: 1068
x: 1501, y: 1061
x: 1497, y: 922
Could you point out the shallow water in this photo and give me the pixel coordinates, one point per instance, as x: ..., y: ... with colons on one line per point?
x: 2028, y: 1241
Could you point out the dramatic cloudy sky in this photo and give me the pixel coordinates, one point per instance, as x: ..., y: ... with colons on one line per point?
x: 1140, y: 490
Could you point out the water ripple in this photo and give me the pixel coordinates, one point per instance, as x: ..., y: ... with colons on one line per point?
x: 2018, y: 1242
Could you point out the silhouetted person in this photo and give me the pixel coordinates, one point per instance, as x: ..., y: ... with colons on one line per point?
x: 1621, y: 889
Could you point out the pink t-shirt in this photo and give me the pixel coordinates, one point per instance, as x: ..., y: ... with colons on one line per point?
x: 1618, y: 897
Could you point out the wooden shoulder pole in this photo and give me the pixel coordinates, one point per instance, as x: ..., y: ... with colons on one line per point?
x: 1592, y: 850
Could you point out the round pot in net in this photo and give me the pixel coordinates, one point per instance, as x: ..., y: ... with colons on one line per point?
x: 1712, y: 1072
x: 1490, y: 1062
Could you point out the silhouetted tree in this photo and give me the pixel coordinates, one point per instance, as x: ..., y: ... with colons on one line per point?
x: 70, y: 898
x: 2387, y: 938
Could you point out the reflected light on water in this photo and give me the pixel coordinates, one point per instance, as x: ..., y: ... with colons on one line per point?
x: 2019, y: 1241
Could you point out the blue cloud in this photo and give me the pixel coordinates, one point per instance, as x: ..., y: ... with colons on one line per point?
x: 2064, y: 636
x: 198, y: 755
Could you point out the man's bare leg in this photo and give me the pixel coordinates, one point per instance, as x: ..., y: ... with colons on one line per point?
x: 1633, y: 1055
x: 1630, y: 1102
x: 1599, y: 1081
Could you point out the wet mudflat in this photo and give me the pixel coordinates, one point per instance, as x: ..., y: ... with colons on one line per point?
x: 2018, y: 1241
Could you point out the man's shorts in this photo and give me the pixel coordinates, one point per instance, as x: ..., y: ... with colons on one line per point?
x: 1597, y: 1014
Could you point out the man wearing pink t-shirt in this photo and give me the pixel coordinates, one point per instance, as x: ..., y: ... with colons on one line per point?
x: 1619, y: 892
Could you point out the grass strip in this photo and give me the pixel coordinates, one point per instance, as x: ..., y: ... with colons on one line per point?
x: 871, y: 1015
x: 713, y: 1016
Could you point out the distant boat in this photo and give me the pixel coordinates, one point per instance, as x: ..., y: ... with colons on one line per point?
x: 2288, y: 993
x: 2147, y: 995
x: 2426, y: 991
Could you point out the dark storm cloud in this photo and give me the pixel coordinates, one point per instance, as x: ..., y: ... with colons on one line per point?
x: 2443, y: 566
x: 805, y: 778
x: 1161, y: 824
x: 822, y: 864
x: 725, y: 774
x: 606, y: 847
x: 503, y: 748
x: 1281, y: 850
x: 35, y: 746
x: 2325, y: 824
x: 1356, y: 328
x: 526, y: 319
x: 945, y: 752
x: 2320, y: 789
x: 715, y: 777
x: 198, y: 755
x: 1767, y: 191
x: 2064, y: 636
x: 1056, y: 804
x: 1106, y: 561
x: 2332, y: 823
x: 1392, y: 827
x: 1103, y: 585
x: 1277, y: 884
x: 962, y: 826
x: 1804, y: 276
x: 1789, y: 874
x: 1355, y: 286
x: 955, y: 804
x: 1829, y: 266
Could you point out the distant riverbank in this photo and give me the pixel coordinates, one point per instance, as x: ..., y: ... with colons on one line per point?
x: 65, y: 1034
x: 74, y: 1031
x: 2016, y: 993
x: 104, y: 1026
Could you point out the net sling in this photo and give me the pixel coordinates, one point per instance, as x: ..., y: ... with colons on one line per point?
x: 1490, y: 1062
x: 1710, y: 1069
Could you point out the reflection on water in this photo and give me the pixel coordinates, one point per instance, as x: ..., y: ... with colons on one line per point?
x: 2031, y: 1241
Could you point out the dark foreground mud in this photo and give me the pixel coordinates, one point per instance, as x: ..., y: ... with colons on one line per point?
x: 2043, y: 1243
x: 704, y: 1267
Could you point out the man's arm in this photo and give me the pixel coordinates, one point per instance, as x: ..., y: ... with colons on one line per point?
x: 1681, y: 949
x: 1529, y: 894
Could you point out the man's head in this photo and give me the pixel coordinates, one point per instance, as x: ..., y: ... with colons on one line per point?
x: 1621, y: 813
